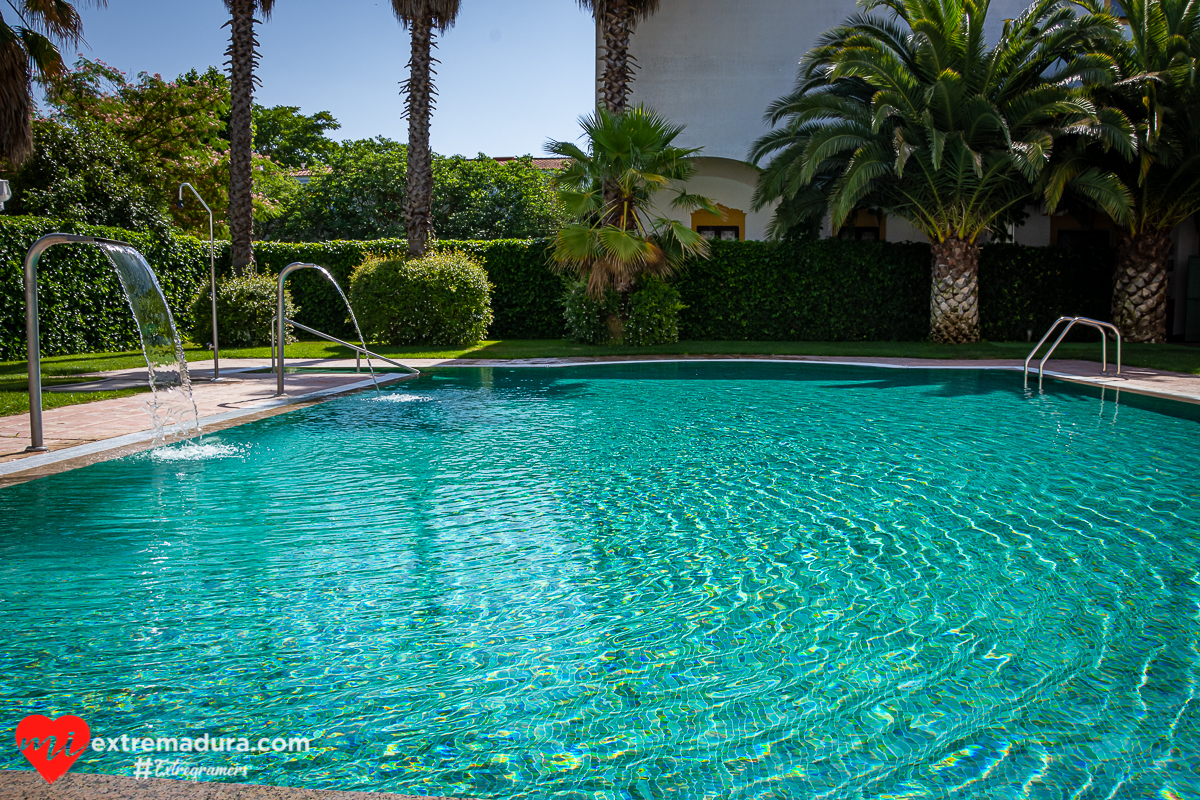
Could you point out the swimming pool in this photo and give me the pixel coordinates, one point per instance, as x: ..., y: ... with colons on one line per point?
x: 692, y: 580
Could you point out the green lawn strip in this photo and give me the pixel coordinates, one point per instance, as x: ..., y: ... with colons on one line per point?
x: 14, y: 395
x: 1173, y: 357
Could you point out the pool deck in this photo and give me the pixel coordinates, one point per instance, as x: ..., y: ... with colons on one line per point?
x: 86, y: 433
x: 28, y: 785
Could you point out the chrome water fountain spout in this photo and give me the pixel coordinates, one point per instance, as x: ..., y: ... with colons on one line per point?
x: 212, y: 273
x: 155, y: 326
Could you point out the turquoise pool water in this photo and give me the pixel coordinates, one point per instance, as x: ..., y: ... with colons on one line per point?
x: 684, y: 581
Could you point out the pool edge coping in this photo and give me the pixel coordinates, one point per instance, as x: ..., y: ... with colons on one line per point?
x: 55, y: 462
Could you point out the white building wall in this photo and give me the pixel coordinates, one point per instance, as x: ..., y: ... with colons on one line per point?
x: 715, y: 65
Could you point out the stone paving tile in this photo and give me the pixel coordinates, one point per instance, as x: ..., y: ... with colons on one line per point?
x: 70, y: 426
x: 27, y: 785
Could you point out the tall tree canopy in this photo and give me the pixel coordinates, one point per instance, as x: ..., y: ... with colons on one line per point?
x: 910, y: 111
x: 421, y: 18
x: 27, y: 38
x: 363, y: 197
x: 290, y: 138
x: 1156, y: 57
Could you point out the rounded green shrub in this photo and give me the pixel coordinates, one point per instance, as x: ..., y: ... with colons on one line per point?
x: 650, y: 315
x: 653, y: 314
x: 245, y: 307
x: 588, y: 318
x: 441, y: 298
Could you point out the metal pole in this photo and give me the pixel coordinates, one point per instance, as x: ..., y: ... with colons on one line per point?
x: 280, y: 332
x: 212, y: 273
x: 33, y: 357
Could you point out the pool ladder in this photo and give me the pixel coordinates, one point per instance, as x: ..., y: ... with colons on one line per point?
x: 1104, y: 327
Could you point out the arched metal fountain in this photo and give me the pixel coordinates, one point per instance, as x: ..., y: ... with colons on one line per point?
x: 156, y: 330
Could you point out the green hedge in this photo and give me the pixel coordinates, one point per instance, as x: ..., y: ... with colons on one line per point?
x: 813, y: 290
x: 1027, y: 288
x: 526, y: 301
x: 82, y: 308
x: 824, y: 290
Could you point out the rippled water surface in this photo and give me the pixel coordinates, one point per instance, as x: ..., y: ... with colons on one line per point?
x: 683, y: 581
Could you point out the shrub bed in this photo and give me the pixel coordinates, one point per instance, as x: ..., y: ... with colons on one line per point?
x: 823, y: 290
x: 442, y: 298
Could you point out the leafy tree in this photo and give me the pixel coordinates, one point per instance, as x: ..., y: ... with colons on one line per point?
x: 85, y: 172
x: 174, y: 129
x: 480, y: 198
x: 290, y: 138
x: 1157, y: 87
x: 243, y: 59
x: 30, y: 43
x: 421, y: 18
x: 617, y: 20
x: 616, y: 241
x: 363, y: 197
x: 915, y: 115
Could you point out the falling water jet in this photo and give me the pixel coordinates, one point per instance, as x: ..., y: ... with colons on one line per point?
x: 172, y: 407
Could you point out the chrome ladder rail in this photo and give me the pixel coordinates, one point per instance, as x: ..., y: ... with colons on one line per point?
x: 1103, y: 327
x: 359, y: 352
x: 279, y: 329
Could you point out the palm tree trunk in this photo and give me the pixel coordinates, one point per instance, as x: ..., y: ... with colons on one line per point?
x: 243, y: 55
x: 1139, y: 305
x: 16, y: 114
x: 954, y: 301
x: 418, y: 201
x: 617, y: 24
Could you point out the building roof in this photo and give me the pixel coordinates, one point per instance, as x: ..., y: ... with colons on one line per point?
x: 541, y: 163
x: 309, y: 172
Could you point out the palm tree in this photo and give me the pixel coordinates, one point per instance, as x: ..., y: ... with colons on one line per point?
x: 619, y: 235
x: 30, y: 41
x: 913, y: 114
x: 421, y: 18
x: 1158, y: 89
x: 243, y: 59
x: 617, y: 19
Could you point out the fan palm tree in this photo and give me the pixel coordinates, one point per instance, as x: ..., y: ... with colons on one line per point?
x: 28, y: 40
x: 243, y: 59
x: 611, y: 190
x: 912, y: 113
x: 617, y: 20
x: 1158, y: 89
x: 421, y: 18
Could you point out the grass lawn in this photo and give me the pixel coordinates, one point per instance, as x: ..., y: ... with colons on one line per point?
x: 13, y: 400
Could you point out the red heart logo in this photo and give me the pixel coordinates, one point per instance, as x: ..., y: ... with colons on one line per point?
x: 47, y: 743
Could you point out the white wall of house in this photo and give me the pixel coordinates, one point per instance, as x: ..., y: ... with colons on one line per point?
x: 715, y: 66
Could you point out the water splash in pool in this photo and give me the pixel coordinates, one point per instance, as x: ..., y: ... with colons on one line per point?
x: 171, y: 405
x: 403, y: 398
x: 191, y: 451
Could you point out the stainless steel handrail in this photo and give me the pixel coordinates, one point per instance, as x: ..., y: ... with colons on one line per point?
x: 279, y: 323
x: 1103, y: 327
x: 335, y: 340
x: 33, y: 351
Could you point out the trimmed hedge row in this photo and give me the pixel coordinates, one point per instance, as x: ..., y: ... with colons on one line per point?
x: 813, y: 290
x: 830, y: 289
x: 81, y: 305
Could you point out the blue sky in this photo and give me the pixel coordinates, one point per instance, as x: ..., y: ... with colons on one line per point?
x: 512, y: 74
